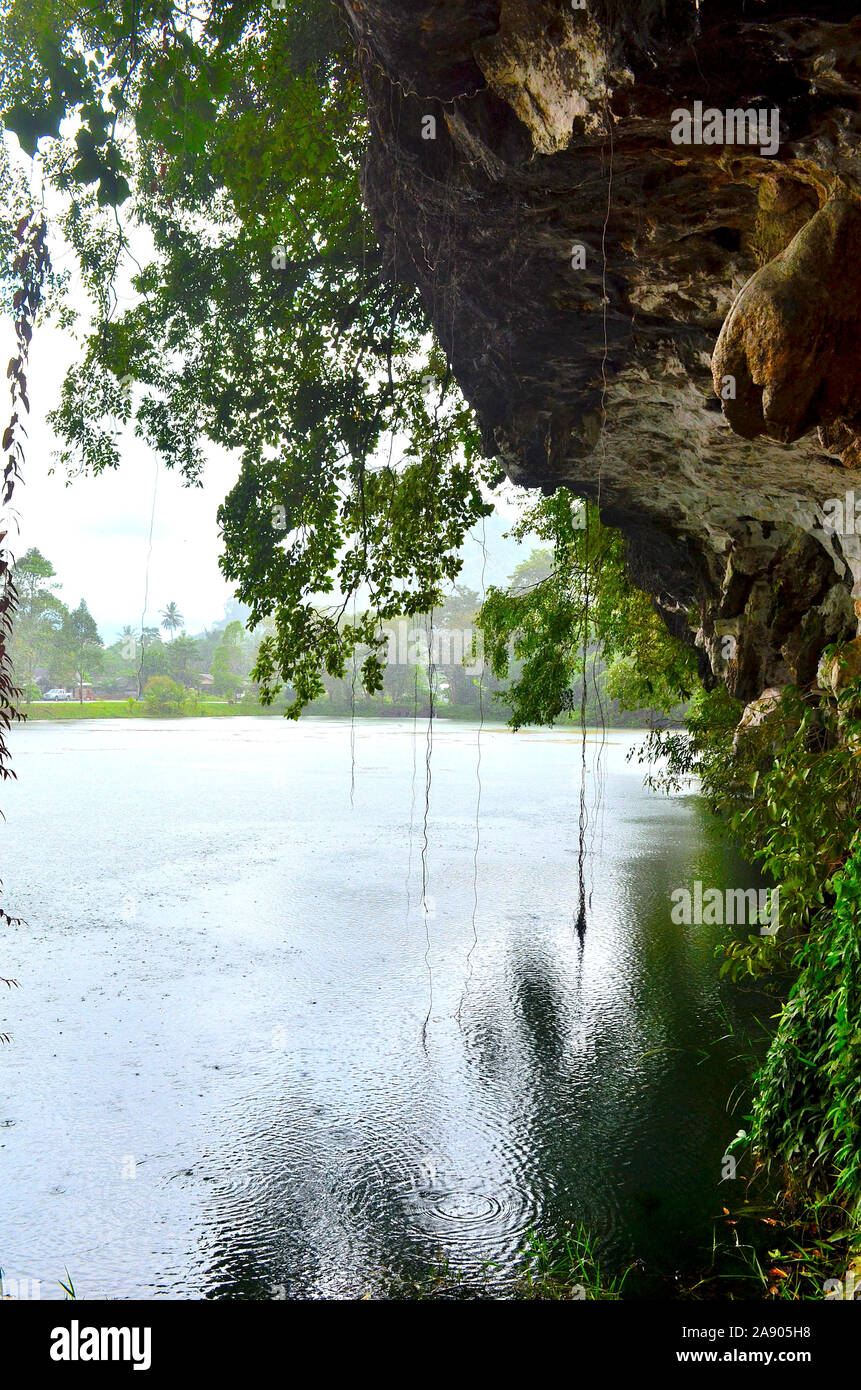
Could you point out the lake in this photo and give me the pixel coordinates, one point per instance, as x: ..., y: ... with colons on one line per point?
x: 249, y: 1061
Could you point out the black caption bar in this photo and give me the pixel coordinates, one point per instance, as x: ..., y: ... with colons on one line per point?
x: 144, y: 1340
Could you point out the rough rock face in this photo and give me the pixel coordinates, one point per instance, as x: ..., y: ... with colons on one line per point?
x: 641, y: 301
x: 790, y: 341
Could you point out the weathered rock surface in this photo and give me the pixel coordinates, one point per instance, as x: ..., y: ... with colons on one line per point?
x: 554, y: 130
x: 791, y: 344
x: 757, y: 713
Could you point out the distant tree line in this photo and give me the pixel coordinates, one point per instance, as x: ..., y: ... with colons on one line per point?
x: 54, y: 646
x: 433, y: 660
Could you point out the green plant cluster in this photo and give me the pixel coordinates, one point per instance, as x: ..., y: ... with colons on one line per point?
x: 575, y: 606
x: 789, y: 790
x: 807, y: 1112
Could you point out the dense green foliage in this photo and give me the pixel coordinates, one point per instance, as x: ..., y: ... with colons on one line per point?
x: 53, y: 646
x: 163, y: 697
x: 807, y: 1116
x: 262, y: 320
x: 64, y: 642
x: 555, y: 615
x: 789, y: 789
x: 39, y: 621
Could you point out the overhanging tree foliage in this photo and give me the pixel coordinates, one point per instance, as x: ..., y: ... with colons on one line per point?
x: 262, y: 322
x: 556, y: 621
x: 228, y: 142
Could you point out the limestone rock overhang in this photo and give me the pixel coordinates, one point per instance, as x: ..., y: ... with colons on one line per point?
x: 671, y: 329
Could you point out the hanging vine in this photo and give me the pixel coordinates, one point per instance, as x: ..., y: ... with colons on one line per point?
x: 32, y: 264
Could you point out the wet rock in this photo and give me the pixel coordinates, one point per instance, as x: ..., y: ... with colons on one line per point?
x: 791, y: 343
x: 548, y: 84
x: 840, y: 669
x: 764, y: 709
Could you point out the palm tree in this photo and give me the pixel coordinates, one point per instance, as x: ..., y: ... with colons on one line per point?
x: 171, y: 618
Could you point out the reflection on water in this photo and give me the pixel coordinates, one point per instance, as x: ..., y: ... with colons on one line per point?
x: 217, y: 1085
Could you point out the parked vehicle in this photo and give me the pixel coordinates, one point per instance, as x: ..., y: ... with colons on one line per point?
x: 58, y: 694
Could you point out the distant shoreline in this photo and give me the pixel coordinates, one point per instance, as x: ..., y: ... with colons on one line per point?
x: 64, y: 712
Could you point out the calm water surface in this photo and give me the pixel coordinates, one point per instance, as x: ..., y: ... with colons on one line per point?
x: 247, y: 1063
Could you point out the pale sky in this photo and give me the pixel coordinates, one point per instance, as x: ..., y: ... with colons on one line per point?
x: 95, y: 531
